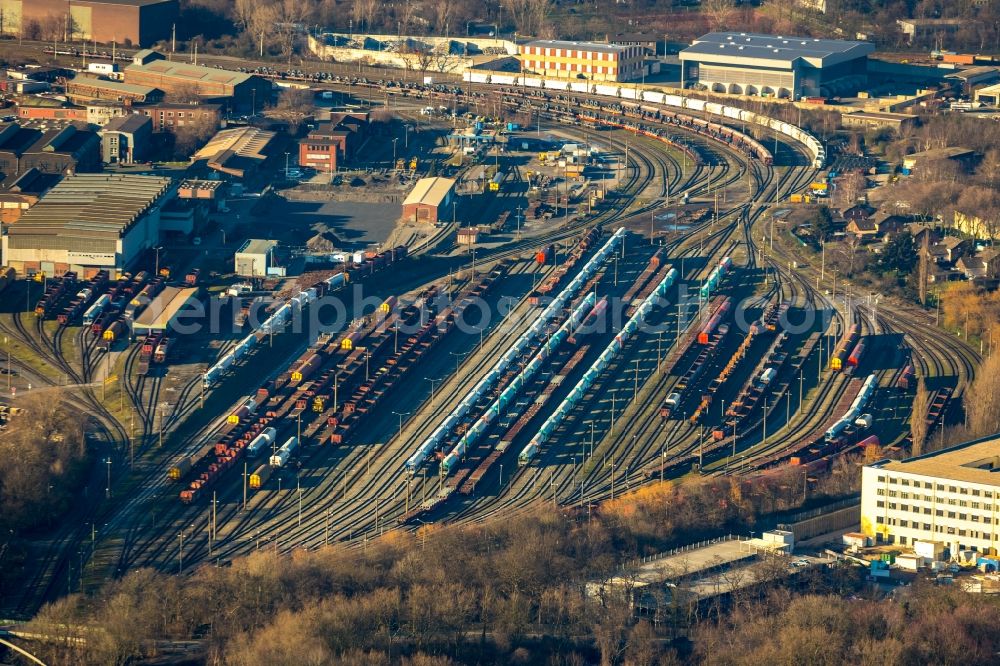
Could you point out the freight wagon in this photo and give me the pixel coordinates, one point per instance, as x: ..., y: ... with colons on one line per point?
x: 260, y: 476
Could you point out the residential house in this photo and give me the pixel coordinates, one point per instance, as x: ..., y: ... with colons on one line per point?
x: 859, y: 212
x: 985, y: 265
x: 862, y: 228
x: 887, y: 223
x: 918, y: 230
x: 953, y: 248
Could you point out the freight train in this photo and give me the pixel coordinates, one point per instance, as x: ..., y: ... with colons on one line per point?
x: 844, y: 347
x: 600, y: 365
x: 513, y: 389
x: 868, y: 390
x: 438, y: 437
x: 619, y: 91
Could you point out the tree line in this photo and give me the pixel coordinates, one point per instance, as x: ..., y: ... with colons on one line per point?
x: 509, y: 589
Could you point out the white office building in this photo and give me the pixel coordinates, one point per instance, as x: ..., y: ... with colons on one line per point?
x: 951, y: 497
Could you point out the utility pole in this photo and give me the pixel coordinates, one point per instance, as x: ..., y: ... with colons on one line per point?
x: 211, y: 534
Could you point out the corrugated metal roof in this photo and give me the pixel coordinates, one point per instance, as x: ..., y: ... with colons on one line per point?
x: 117, y: 86
x: 192, y: 72
x: 243, y: 141
x: 162, y: 309
x: 91, y: 206
x: 429, y: 191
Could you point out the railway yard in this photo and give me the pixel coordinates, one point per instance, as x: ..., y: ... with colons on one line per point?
x: 568, y: 364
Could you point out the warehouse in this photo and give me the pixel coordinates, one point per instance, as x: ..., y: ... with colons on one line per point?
x: 752, y: 64
x: 879, y: 120
x: 85, y: 89
x: 427, y: 198
x: 950, y: 497
x: 163, y: 311
x: 245, y: 92
x: 88, y: 221
x: 255, y: 257
x: 582, y: 60
x: 237, y: 152
x: 127, y: 22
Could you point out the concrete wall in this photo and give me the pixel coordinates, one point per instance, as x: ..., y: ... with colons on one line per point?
x: 409, y: 61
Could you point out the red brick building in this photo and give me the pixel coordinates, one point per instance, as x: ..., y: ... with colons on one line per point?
x: 168, y: 117
x: 128, y: 22
x: 429, y: 200
x: 333, y: 142
x: 52, y: 113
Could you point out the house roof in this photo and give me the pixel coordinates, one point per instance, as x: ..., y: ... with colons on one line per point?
x: 952, y: 242
x: 862, y: 224
x: 861, y: 210
x: 132, y: 122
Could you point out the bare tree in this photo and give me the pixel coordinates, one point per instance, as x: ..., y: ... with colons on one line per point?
x: 918, y: 418
x: 923, y: 265
x: 442, y: 12
x: 720, y: 13
x: 530, y: 16
x: 984, y: 408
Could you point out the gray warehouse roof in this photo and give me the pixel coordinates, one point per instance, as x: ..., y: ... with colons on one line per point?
x: 773, y: 50
x: 90, y: 206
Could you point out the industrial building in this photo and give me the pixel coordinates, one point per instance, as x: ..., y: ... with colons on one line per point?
x: 164, y: 310
x: 255, y: 257
x: 47, y: 112
x: 949, y: 497
x: 333, y: 141
x: 879, y: 120
x: 88, y: 221
x: 84, y: 89
x: 127, y: 22
x: 965, y: 158
x: 126, y: 139
x: 427, y: 198
x: 237, y: 152
x: 242, y: 92
x: 774, y: 66
x: 929, y: 30
x: 582, y: 60
x: 51, y: 147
